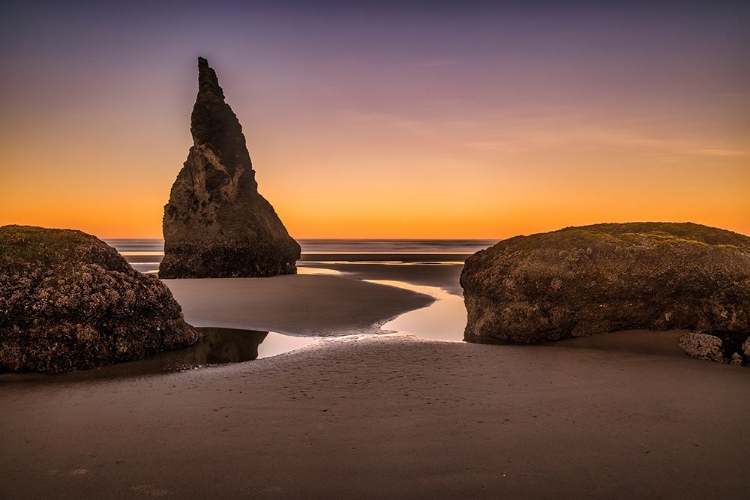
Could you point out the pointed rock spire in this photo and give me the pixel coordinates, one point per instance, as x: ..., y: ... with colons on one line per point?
x: 216, y: 224
x: 207, y: 80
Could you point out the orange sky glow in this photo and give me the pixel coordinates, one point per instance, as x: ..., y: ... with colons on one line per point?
x: 488, y: 139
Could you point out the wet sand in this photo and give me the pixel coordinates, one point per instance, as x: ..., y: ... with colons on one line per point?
x: 295, y: 305
x: 391, y: 417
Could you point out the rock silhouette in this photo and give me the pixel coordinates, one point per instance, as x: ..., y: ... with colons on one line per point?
x: 69, y: 301
x: 581, y: 281
x: 216, y: 224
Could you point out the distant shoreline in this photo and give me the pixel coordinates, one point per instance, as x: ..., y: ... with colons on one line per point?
x: 426, y: 258
x: 146, y: 254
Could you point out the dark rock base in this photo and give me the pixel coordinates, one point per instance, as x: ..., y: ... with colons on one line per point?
x: 722, y: 347
x: 229, y: 261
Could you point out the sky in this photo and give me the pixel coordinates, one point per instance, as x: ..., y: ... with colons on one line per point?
x: 409, y: 119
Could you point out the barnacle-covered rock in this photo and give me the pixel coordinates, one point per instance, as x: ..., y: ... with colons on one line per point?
x: 68, y: 301
x: 581, y: 281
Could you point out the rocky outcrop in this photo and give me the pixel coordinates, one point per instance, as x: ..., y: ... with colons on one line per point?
x: 216, y: 224
x: 68, y: 301
x: 718, y: 346
x: 581, y: 281
x: 703, y: 346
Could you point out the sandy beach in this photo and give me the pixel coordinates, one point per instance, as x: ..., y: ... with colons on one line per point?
x: 296, y: 304
x: 242, y: 243
x: 624, y: 415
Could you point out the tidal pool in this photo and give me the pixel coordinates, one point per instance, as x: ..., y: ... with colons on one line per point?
x: 225, y: 345
x: 217, y: 346
x: 444, y: 319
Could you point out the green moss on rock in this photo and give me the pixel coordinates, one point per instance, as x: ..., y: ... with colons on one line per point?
x: 68, y: 301
x: 582, y: 281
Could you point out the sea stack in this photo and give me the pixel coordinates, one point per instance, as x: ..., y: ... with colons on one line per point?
x: 216, y: 224
x: 581, y: 281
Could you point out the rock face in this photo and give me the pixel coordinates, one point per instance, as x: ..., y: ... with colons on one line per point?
x: 581, y: 281
x: 703, y: 346
x: 68, y: 301
x: 216, y: 224
x: 722, y: 347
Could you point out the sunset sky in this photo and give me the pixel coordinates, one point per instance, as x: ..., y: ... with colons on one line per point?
x: 385, y: 120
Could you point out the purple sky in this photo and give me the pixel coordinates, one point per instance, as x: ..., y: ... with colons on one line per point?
x: 594, y: 111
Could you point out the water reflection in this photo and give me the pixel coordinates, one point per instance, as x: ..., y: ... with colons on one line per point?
x: 444, y: 319
x: 316, y: 270
x: 220, y: 346
x: 217, y: 346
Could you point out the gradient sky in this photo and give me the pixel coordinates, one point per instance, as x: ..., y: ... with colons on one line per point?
x: 384, y: 119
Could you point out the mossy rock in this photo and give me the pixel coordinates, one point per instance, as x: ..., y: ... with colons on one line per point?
x: 581, y: 281
x: 68, y: 301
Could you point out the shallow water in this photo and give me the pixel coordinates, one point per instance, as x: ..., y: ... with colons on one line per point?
x: 392, y: 246
x: 218, y: 346
x: 146, y: 254
x: 317, y: 270
x: 444, y: 319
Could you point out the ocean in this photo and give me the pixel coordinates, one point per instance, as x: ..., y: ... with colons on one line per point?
x: 146, y: 254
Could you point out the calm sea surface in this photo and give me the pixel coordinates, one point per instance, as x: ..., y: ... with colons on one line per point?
x: 146, y: 254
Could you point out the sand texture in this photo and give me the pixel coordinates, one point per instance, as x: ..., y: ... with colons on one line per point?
x: 616, y: 416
